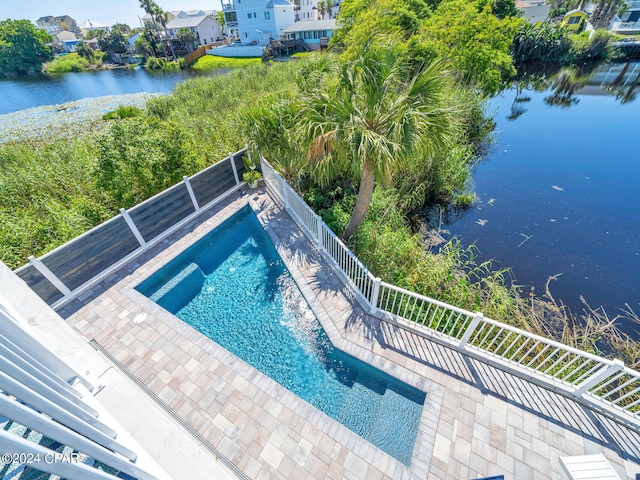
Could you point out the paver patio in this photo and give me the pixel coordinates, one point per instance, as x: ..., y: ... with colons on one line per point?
x: 477, y: 420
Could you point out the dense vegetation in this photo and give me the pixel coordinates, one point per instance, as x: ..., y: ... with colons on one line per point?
x: 391, y: 121
x: 23, y: 47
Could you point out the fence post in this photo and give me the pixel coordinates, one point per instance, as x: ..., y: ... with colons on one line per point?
x: 187, y: 184
x: 134, y: 229
x: 477, y: 318
x: 602, y: 374
x: 375, y: 294
x: 233, y: 166
x: 285, y: 191
x: 49, y: 275
x: 319, y: 232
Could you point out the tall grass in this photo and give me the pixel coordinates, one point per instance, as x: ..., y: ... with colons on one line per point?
x: 48, y: 188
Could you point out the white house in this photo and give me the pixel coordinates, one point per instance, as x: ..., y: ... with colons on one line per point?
x: 256, y: 22
x: 203, y: 24
x: 89, y: 25
x: 629, y: 21
x: 307, y: 10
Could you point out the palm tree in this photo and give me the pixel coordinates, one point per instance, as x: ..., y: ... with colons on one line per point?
x: 378, y: 114
x: 322, y: 8
x: 156, y: 13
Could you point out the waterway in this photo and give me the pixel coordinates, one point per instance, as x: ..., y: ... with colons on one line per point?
x: 31, y: 91
x: 558, y: 192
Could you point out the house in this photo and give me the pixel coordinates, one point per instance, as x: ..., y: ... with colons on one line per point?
x: 575, y: 20
x: 68, y: 40
x: 257, y: 22
x: 205, y: 27
x: 310, y: 10
x: 315, y: 33
x: 534, y: 12
x: 91, y: 25
x: 64, y: 22
x: 629, y: 21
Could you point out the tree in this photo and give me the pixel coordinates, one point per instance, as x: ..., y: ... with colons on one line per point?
x: 23, y: 47
x: 474, y: 41
x: 322, y: 8
x: 157, y: 16
x: 187, y: 37
x: 116, y: 40
x: 363, y: 19
x: 376, y: 116
x: 85, y: 51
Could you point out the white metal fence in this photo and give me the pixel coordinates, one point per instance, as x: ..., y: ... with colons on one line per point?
x: 606, y: 385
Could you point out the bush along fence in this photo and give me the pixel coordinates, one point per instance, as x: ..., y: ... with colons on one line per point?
x: 605, y: 385
x: 64, y: 273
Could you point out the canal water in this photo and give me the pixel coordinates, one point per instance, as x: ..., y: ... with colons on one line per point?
x: 45, y: 89
x: 559, y: 191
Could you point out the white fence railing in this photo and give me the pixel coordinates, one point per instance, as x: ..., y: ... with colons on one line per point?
x: 606, y: 385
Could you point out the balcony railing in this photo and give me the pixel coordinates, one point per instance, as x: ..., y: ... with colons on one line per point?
x: 605, y: 385
x: 629, y: 27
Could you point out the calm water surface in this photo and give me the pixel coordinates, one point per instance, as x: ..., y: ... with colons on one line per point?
x: 559, y: 194
x: 38, y: 90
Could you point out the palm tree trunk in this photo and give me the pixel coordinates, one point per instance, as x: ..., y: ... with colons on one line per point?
x: 365, y: 193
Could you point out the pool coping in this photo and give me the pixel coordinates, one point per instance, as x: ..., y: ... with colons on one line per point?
x: 476, y: 421
x: 334, y: 318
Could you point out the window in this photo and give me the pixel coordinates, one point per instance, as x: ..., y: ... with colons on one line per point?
x: 574, y: 20
x: 267, y: 15
x: 248, y: 15
x: 254, y: 14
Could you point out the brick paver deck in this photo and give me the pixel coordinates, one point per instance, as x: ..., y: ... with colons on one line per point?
x: 477, y: 421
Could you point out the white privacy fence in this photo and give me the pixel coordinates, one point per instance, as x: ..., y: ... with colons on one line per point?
x: 606, y: 385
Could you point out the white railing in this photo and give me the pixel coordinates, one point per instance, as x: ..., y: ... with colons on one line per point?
x: 606, y: 385
x: 625, y: 26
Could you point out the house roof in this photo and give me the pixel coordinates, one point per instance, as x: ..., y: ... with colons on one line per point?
x: 574, y: 11
x: 279, y: 3
x: 310, y: 25
x: 186, y: 22
x: 535, y: 14
x: 65, y: 36
x: 91, y: 24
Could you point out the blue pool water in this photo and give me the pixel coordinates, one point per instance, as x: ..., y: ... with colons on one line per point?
x: 233, y: 287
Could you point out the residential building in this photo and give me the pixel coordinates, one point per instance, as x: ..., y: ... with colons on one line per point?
x: 310, y: 10
x: 64, y: 22
x: 204, y: 25
x: 257, y: 22
x: 315, y: 33
x: 629, y: 21
x: 91, y: 25
x: 68, y: 40
x: 575, y: 20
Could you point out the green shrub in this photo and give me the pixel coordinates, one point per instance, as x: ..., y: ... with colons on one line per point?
x: 67, y: 63
x: 123, y: 112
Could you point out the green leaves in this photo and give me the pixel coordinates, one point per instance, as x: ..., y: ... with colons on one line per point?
x: 23, y: 47
x: 140, y: 157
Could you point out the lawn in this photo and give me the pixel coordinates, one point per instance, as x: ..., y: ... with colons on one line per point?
x: 211, y: 61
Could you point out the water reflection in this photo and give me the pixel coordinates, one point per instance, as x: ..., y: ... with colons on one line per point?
x: 557, y: 192
x: 566, y: 84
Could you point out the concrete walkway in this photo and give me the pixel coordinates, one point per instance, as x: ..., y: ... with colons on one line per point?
x: 477, y: 421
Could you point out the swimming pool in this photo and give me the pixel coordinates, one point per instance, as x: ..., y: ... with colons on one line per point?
x: 233, y: 287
